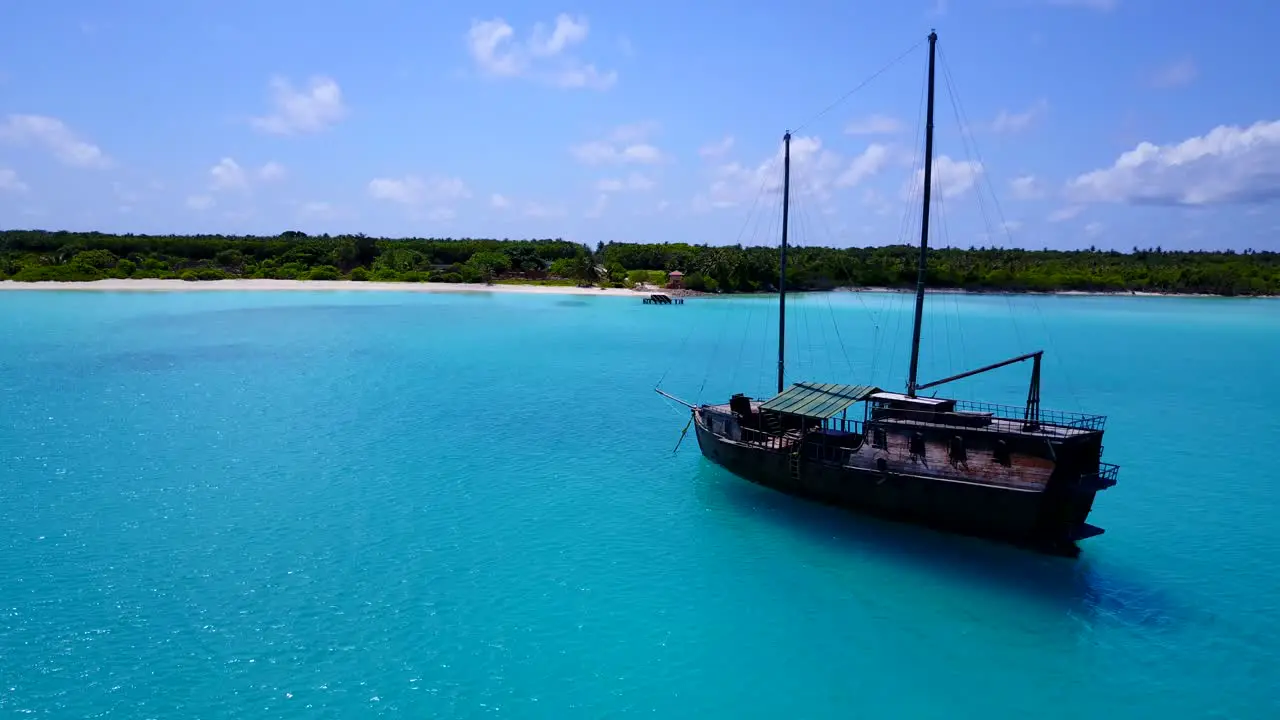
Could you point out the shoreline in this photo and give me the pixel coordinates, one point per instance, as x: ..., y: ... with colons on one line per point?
x: 1063, y: 293
x: 259, y: 285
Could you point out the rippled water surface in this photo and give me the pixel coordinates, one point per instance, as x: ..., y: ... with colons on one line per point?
x: 258, y: 505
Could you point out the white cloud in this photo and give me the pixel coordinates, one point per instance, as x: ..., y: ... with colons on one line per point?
x: 308, y: 110
x: 228, y: 175
x: 600, y: 152
x: 484, y: 40
x: 542, y: 57
x: 271, y: 171
x: 316, y: 209
x: 874, y: 125
x: 864, y: 166
x: 1010, y: 122
x: 626, y: 144
x: 876, y: 201
x: 950, y: 177
x: 240, y: 216
x: 200, y: 202
x: 528, y: 209
x: 633, y: 182
x: 815, y: 172
x: 1065, y: 213
x: 125, y: 194
x: 1176, y: 74
x: 53, y: 135
x: 584, y: 76
x: 718, y: 148
x: 1229, y: 164
x: 597, y: 209
x: 436, y: 194
x: 1026, y: 187
x: 1093, y: 229
x: 567, y: 31
x: 634, y: 132
x: 9, y: 181
x: 538, y: 210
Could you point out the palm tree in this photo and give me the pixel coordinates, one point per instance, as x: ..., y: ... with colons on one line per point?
x: 585, y: 270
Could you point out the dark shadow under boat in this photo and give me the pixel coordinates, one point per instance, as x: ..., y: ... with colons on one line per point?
x: 1092, y: 590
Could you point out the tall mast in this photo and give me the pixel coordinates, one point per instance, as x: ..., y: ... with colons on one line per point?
x: 924, y: 225
x: 782, y: 273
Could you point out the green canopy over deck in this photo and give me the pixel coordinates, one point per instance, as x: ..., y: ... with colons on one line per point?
x: 818, y: 401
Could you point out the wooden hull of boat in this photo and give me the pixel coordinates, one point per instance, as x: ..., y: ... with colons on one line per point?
x: 1010, y: 515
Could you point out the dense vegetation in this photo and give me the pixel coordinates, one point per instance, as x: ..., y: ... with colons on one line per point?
x: 39, y: 255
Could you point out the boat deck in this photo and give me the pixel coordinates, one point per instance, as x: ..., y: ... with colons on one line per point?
x: 1024, y: 472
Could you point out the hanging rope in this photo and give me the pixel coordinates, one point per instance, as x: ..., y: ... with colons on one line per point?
x: 682, y: 434
x: 962, y: 121
x: 860, y: 85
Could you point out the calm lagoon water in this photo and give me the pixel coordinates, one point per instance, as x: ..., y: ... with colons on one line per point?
x: 258, y: 505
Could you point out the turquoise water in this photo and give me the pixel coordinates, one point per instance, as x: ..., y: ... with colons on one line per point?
x: 258, y: 505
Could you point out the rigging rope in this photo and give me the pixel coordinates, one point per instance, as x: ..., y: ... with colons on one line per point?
x: 952, y: 366
x: 831, y: 238
x: 962, y: 121
x: 860, y: 85
x: 692, y: 326
x: 909, y: 225
x: 682, y: 434
x: 816, y: 357
x: 844, y: 350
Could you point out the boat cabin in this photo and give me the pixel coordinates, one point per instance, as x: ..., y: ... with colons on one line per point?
x: 937, y: 411
x: 819, y: 414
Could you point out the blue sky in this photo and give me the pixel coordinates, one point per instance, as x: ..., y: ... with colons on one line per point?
x: 1087, y: 122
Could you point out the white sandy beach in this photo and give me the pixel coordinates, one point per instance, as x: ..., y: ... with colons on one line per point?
x: 152, y: 285
x: 137, y: 285
x: 1065, y: 293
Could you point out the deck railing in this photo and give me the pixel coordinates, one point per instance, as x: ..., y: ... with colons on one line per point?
x: 1080, y: 421
x: 841, y: 425
x: 762, y: 438
x: 813, y: 440
x: 1108, y: 473
x: 1010, y: 413
x: 1102, y: 479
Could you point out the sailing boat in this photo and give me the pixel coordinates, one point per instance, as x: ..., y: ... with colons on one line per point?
x: 1021, y: 475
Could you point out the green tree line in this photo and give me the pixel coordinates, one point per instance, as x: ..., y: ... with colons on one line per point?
x: 41, y: 255
x: 977, y: 269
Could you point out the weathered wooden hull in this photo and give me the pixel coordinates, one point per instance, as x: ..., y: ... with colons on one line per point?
x: 1028, y: 518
